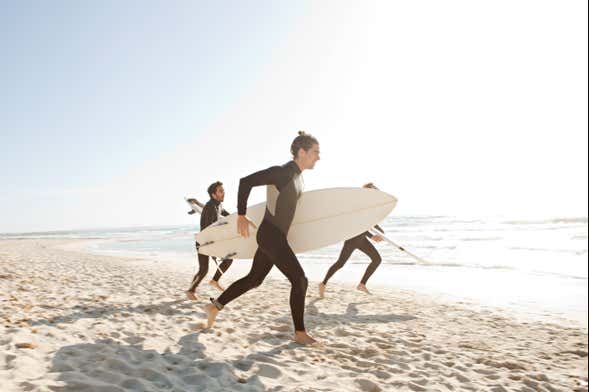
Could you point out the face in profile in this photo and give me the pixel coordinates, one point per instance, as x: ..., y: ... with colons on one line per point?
x: 310, y: 157
x: 219, y: 194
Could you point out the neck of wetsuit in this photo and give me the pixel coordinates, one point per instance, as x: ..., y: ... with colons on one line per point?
x: 297, y: 167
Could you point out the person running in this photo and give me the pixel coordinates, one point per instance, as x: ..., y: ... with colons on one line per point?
x: 211, y: 212
x: 284, y: 187
x: 361, y: 243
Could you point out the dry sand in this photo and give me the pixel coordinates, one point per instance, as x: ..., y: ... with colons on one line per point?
x: 72, y: 321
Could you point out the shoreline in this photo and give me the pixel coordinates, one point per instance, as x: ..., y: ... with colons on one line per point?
x: 433, y: 282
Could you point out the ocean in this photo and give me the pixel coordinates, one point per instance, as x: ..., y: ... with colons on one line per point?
x: 532, y: 268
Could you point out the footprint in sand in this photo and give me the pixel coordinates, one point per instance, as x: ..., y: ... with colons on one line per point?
x: 461, y: 377
x: 197, y: 326
x: 367, y: 385
x: 382, y: 375
x: 280, y: 328
x: 579, y: 353
x: 156, y: 378
x: 9, y: 358
x: 416, y: 387
x: 134, y: 340
x: 366, y: 353
x: 105, y: 376
x: 364, y: 364
x: 118, y: 365
x: 269, y: 371
x: 498, y: 388
x: 244, y: 365
x: 133, y: 384
x: 199, y: 379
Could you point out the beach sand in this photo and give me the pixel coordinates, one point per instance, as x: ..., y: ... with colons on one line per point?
x: 74, y: 321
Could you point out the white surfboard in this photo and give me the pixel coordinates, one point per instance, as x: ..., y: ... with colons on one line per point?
x: 195, y: 205
x: 323, y: 217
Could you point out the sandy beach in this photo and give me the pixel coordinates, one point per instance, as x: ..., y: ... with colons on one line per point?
x: 74, y: 321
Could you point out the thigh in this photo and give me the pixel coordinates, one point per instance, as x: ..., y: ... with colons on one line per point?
x: 367, y: 248
x: 282, y: 256
x: 203, y: 262
x: 274, y: 245
x: 226, y: 263
x: 261, y: 265
x: 347, y: 250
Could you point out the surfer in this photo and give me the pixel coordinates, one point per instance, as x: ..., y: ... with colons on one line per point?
x: 284, y: 187
x: 211, y: 212
x: 361, y: 243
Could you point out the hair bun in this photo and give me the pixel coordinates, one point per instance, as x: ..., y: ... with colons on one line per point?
x: 304, y: 141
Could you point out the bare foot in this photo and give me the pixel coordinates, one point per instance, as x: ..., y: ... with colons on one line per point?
x: 362, y: 287
x: 301, y: 337
x: 191, y: 295
x: 211, y: 311
x: 216, y: 285
x: 321, y: 290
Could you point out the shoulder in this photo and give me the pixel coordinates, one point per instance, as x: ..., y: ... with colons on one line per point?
x: 277, y: 171
x: 290, y: 168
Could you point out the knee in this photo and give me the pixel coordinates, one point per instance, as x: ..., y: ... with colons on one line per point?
x: 301, y: 283
x: 255, y: 282
x: 376, y: 260
x: 339, y: 264
x: 203, y: 270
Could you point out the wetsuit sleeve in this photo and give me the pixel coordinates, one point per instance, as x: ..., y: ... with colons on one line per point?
x: 208, y: 216
x: 270, y: 176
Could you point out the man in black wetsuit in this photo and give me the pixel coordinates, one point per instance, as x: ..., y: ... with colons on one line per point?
x: 210, y: 214
x: 361, y: 243
x: 284, y: 187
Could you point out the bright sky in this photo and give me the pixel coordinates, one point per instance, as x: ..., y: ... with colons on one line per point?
x: 111, y: 112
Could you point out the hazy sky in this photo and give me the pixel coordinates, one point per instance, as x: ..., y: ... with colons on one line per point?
x: 111, y: 112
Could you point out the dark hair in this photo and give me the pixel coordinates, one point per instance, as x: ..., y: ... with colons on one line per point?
x: 369, y: 185
x: 213, y: 187
x: 304, y: 141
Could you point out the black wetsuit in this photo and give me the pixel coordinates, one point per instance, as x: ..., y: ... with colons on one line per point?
x: 285, y: 185
x: 359, y: 242
x: 210, y: 214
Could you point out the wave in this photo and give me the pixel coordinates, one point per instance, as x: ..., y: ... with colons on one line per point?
x: 497, y: 267
x: 548, y: 221
x: 578, y: 252
x: 579, y: 237
x: 481, y: 239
